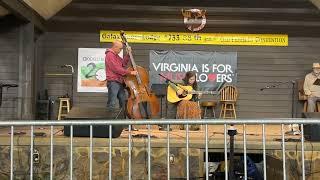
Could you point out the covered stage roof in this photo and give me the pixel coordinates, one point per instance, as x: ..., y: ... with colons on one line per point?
x: 294, y: 17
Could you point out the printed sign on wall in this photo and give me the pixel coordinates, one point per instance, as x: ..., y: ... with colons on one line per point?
x: 212, y: 68
x: 198, y: 38
x: 91, y: 70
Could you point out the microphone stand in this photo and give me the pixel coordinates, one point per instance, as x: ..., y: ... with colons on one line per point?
x: 7, y: 86
x: 167, y: 82
x: 72, y: 72
x: 232, y: 131
x: 292, y: 82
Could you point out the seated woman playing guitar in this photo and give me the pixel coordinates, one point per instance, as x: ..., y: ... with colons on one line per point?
x: 189, y: 109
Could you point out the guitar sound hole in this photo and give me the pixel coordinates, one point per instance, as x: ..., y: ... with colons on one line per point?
x: 182, y: 96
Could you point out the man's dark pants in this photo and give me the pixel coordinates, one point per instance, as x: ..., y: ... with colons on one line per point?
x: 116, y: 91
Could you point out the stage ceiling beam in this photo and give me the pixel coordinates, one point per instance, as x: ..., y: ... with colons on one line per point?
x: 23, y: 11
x: 47, y: 8
x: 316, y: 3
x: 177, y: 9
x: 3, y: 11
x: 174, y: 22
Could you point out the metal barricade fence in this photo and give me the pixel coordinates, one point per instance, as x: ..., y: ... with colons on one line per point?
x: 167, y: 122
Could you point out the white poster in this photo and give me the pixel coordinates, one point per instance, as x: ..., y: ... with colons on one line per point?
x: 91, y: 70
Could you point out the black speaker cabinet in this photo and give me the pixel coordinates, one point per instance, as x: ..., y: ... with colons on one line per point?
x: 311, y: 131
x: 88, y: 113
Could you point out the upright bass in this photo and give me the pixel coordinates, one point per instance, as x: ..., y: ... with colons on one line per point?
x: 142, y: 103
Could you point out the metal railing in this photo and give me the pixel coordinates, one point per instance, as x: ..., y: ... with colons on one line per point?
x: 167, y: 122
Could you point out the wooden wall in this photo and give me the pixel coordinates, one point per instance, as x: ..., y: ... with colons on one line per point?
x: 257, y: 67
x: 78, y: 24
x: 9, y: 62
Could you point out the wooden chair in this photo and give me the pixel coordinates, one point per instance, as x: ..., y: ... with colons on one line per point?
x: 304, y: 98
x: 228, y: 99
x: 64, y: 107
x: 207, y: 105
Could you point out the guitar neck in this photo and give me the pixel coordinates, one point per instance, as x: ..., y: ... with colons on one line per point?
x: 203, y: 92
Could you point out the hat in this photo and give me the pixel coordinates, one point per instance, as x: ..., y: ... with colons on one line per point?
x: 316, y: 65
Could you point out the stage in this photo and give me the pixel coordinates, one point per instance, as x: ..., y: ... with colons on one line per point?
x: 177, y: 137
x: 139, y: 143
x: 158, y: 153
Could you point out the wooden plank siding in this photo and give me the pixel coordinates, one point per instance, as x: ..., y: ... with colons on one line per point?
x: 293, y: 17
x: 257, y: 67
x: 78, y: 24
x: 9, y: 62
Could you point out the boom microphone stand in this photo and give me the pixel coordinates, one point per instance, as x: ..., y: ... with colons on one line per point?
x: 7, y: 86
x: 72, y: 72
x: 292, y: 82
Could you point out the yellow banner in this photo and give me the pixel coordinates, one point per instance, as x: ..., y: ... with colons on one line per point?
x: 197, y: 38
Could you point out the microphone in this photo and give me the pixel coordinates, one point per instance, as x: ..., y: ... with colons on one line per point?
x: 68, y: 65
x: 267, y: 87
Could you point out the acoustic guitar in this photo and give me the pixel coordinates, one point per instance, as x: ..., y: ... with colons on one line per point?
x: 188, y: 91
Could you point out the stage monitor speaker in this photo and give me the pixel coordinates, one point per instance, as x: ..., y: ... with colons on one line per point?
x: 86, y: 113
x: 311, y: 131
